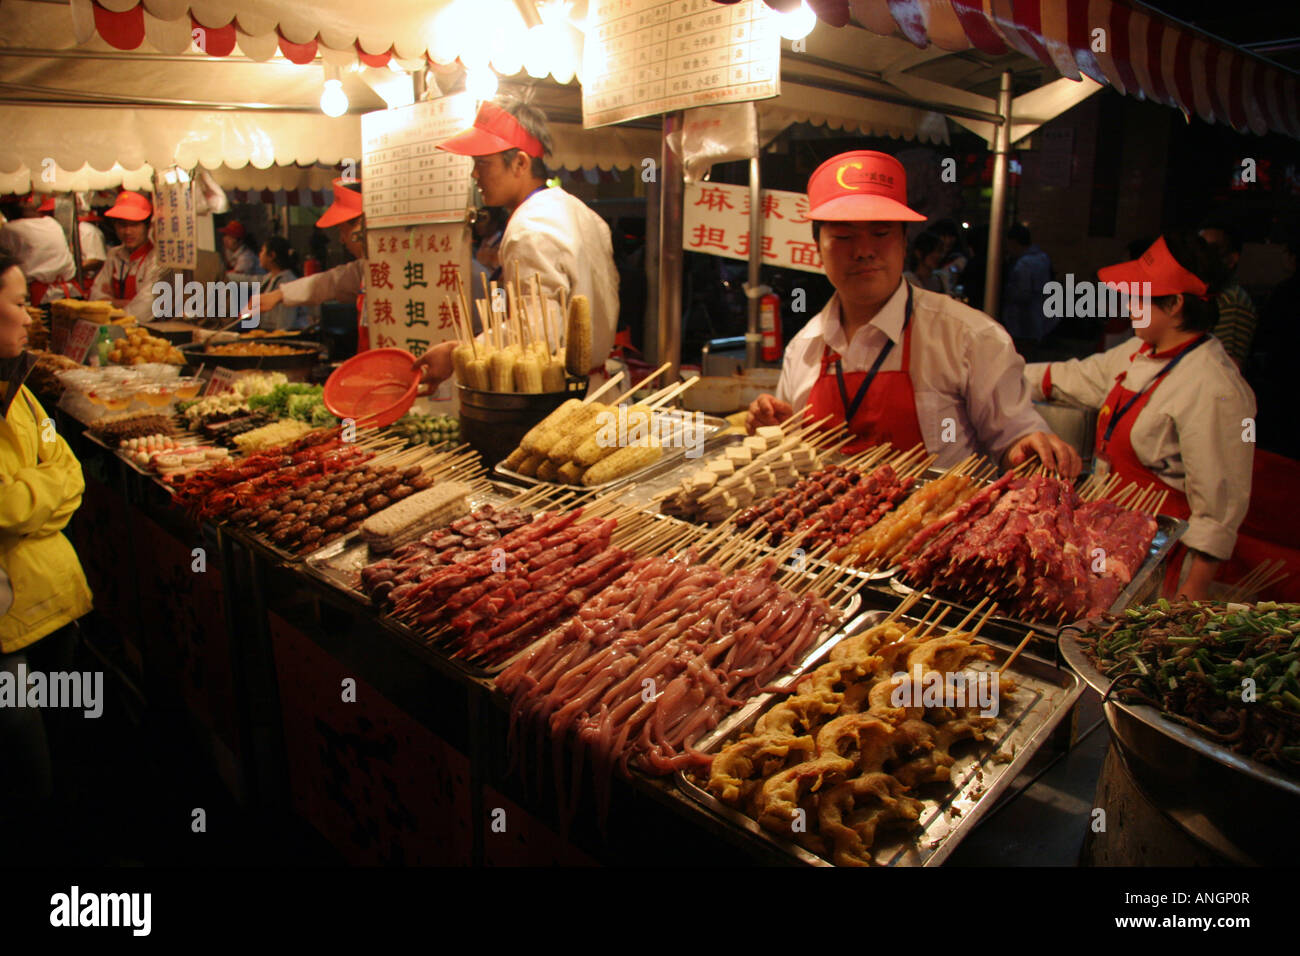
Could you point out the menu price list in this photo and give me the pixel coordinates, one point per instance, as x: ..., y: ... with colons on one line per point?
x: 408, y: 179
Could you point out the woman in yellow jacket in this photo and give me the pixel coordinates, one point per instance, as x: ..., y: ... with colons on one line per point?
x: 42, y: 587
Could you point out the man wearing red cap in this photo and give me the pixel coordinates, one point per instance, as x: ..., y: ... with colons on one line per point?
x: 342, y: 282
x: 550, y: 233
x: 41, y: 248
x: 237, y: 251
x: 1171, y: 402
x: 894, y: 362
x: 131, y: 269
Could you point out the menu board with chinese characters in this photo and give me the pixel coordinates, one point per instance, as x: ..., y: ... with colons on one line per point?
x: 411, y: 284
x: 647, y: 57
x: 716, y: 221
x: 174, y: 233
x: 408, y: 180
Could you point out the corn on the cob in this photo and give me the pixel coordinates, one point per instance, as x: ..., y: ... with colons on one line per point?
x: 602, y: 443
x: 581, y: 427
x: 553, y: 375
x: 623, y: 462
x: 460, y: 359
x: 546, y: 432
x: 571, y: 473
x: 515, y: 459
x: 501, y: 370
x: 577, y: 349
x: 416, y: 515
x: 530, y: 465
x: 478, y: 375
x: 528, y: 373
x: 548, y: 471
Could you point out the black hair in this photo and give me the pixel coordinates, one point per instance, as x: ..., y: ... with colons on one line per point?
x: 281, y: 253
x: 7, y: 262
x: 945, y: 227
x: 1196, y: 256
x: 1231, y: 234
x: 1019, y: 233
x: 922, y: 246
x: 533, y: 120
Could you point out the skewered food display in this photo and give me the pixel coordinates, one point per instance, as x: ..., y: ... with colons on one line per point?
x: 840, y: 760
x: 271, y: 436
x: 414, y: 516
x: 492, y: 581
x: 427, y: 429
x: 38, y: 333
x: 115, y: 429
x: 1032, y: 544
x: 296, y: 400
x: 44, y: 376
x: 1191, y: 661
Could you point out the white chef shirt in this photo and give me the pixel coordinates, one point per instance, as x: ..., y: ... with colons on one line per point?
x: 342, y: 284
x: 40, y: 247
x: 146, y: 270
x: 556, y: 236
x: 1189, y: 433
x: 965, y: 371
x: 93, y: 248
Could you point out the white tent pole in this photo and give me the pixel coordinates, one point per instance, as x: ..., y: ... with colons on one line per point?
x: 998, y: 211
x: 668, y: 336
x: 754, y: 334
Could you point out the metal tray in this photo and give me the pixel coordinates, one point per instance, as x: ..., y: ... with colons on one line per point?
x: 1044, y: 696
x: 1075, y: 656
x: 1143, y: 584
x: 671, y: 459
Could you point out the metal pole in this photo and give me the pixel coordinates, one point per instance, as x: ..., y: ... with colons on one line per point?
x: 668, y: 337
x: 998, y: 212
x: 754, y: 334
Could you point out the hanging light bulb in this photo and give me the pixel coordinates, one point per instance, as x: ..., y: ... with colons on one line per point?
x: 797, y: 24
x: 333, y: 101
x: 481, y: 83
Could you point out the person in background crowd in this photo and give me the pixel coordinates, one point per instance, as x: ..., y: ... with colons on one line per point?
x: 317, y: 253
x: 923, y: 263
x: 892, y: 362
x: 342, y: 282
x: 37, y: 242
x: 1270, y: 371
x: 93, y: 248
x: 489, y: 227
x: 1171, y: 402
x: 239, y: 249
x: 279, y: 266
x: 131, y: 269
x: 956, y: 256
x: 1236, y: 325
x: 43, y: 590
x: 1024, y: 291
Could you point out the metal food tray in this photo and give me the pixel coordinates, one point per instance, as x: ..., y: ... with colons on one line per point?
x: 1143, y: 584
x: 1044, y: 696
x: 1078, y: 660
x: 672, y: 457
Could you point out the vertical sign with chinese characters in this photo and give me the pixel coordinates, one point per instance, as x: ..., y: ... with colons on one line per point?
x: 647, y: 57
x: 717, y: 222
x: 174, y: 232
x: 408, y: 179
x: 410, y: 286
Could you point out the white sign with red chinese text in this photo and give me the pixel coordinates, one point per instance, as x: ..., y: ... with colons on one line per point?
x: 648, y: 57
x: 408, y: 179
x: 411, y: 285
x: 174, y: 233
x: 717, y: 222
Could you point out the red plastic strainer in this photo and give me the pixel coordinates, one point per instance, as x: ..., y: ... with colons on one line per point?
x: 375, y: 388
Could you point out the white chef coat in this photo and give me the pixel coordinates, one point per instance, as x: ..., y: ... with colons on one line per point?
x: 41, y: 249
x: 93, y: 248
x: 965, y: 371
x: 147, y: 271
x: 556, y: 236
x: 1189, y: 433
x: 342, y: 284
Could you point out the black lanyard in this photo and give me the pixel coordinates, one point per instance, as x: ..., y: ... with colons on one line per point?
x: 851, y: 409
x: 1114, y: 420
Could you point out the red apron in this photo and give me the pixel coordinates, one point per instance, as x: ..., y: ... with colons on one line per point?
x: 1114, y: 444
x: 123, y: 282
x: 883, y: 404
x: 36, y: 290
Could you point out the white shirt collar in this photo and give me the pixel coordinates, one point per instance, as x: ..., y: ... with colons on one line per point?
x: 888, y: 320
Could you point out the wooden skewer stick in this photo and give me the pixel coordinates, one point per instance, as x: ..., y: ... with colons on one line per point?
x: 993, y: 609
x: 674, y: 392
x: 603, y: 389
x: 1016, y: 653
x: 961, y: 625
x: 641, y: 384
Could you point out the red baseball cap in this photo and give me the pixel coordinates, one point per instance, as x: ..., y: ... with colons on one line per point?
x: 347, y: 204
x: 233, y: 228
x: 1159, y: 267
x: 860, y: 186
x: 131, y: 206
x: 494, y: 131
x: 47, y: 205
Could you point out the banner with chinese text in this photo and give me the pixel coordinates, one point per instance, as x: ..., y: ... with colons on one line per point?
x: 174, y: 233
x: 716, y: 222
x: 410, y: 286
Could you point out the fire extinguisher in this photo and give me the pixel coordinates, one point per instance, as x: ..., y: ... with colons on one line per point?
x: 769, y: 320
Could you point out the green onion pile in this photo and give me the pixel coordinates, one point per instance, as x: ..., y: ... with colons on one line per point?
x: 1194, y: 662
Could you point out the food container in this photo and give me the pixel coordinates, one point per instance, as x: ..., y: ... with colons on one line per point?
x: 722, y: 395
x: 493, y: 423
x: 305, y: 356
x: 1044, y: 696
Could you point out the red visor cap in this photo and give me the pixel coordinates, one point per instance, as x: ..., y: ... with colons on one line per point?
x: 347, y: 204
x: 494, y: 131
x: 235, y: 228
x: 1157, y: 266
x: 130, y: 206
x: 860, y: 186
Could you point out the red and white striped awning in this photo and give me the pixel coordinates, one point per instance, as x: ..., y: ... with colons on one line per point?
x: 1136, y: 50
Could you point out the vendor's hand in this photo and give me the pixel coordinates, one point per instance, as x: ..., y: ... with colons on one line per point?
x: 1056, y: 454
x: 767, y: 410
x: 266, y: 301
x: 435, y: 365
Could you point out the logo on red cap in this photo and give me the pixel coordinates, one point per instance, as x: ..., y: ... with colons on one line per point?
x: 862, y: 185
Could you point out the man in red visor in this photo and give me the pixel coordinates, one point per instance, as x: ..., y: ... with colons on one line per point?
x: 550, y: 233
x: 131, y: 270
x: 893, y: 362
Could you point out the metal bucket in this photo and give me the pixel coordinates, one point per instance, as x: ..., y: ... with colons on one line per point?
x: 494, y: 422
